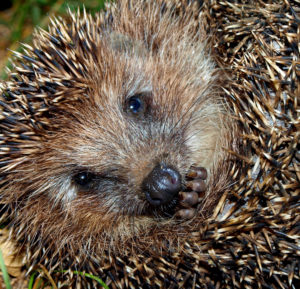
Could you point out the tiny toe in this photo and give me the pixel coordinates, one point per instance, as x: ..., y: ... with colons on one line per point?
x: 197, y: 186
x: 188, y: 199
x: 186, y: 213
x: 197, y: 173
x: 202, y: 173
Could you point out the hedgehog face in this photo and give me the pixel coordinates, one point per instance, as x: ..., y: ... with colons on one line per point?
x: 102, y: 150
x: 117, y: 136
x: 107, y: 127
x: 135, y: 127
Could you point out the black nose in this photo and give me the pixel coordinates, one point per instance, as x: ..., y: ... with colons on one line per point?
x: 162, y: 185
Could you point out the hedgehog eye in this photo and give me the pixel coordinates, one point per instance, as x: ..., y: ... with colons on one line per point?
x: 137, y: 105
x: 83, y: 178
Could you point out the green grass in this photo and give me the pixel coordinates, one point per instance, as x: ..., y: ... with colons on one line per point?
x: 38, y: 282
x: 4, y: 272
x: 31, y: 280
x: 36, y: 12
x: 87, y: 275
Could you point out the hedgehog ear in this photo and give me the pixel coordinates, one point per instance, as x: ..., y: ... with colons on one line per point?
x: 124, y: 44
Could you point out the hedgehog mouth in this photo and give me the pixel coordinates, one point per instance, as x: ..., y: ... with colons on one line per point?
x: 158, y: 203
x: 152, y: 201
x: 162, y: 210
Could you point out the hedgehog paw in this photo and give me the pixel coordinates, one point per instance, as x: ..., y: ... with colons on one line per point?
x: 195, y: 191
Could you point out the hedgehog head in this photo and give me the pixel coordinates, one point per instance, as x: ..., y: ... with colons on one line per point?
x: 95, y: 113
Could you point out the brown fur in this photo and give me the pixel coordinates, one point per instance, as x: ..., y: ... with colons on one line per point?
x: 68, y: 115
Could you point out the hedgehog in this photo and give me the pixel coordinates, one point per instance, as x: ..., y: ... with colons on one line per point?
x: 155, y: 145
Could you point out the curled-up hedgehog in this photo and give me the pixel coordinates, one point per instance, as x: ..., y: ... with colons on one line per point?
x: 122, y: 156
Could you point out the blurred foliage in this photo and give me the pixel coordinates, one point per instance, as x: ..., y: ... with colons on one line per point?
x: 22, y: 16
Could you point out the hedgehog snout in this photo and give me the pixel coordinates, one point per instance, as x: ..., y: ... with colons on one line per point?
x: 162, y: 185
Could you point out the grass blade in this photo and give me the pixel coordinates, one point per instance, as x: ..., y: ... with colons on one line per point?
x: 4, y: 272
